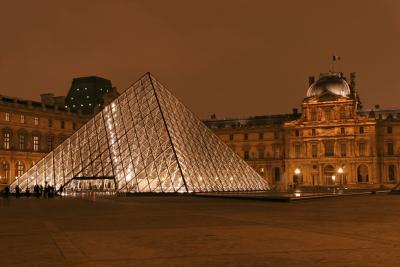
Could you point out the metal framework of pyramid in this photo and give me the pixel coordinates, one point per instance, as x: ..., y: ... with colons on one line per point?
x: 145, y: 141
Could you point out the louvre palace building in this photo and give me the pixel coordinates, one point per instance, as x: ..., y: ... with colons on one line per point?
x: 332, y: 141
x: 30, y: 129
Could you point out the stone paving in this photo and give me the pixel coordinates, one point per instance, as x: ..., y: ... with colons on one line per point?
x: 193, y: 231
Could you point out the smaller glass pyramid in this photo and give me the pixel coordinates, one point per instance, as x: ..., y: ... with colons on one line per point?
x: 144, y: 141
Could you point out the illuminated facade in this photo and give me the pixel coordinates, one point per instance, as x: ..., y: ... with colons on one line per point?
x: 144, y: 141
x: 332, y: 142
x: 29, y: 130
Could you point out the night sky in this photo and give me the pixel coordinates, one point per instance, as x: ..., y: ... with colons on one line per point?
x: 232, y: 58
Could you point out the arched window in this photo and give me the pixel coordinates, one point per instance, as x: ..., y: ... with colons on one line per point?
x: 329, y: 173
x: 362, y: 174
x: 392, y: 173
x: 20, y: 168
x: 5, y: 170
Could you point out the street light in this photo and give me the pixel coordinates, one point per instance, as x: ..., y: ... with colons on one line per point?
x: 333, y: 180
x: 340, y: 171
x: 296, y: 177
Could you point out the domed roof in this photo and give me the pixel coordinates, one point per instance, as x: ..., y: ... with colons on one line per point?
x: 331, y: 83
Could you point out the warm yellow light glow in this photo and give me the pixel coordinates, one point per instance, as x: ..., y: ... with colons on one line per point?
x: 340, y: 170
x: 297, y: 171
x: 333, y: 177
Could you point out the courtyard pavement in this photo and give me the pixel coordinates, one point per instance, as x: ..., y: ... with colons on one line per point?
x: 196, y: 231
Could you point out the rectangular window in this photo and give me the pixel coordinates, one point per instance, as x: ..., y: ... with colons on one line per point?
x: 62, y: 124
x: 22, y: 119
x: 277, y: 150
x: 329, y: 148
x: 6, y: 144
x: 390, y: 149
x: 361, y: 149
x: 7, y: 116
x: 342, y: 113
x: 276, y: 135
x: 246, y: 155
x: 50, y: 142
x: 297, y: 149
x: 36, y: 120
x: 342, y: 131
x: 20, y: 169
x: 261, y: 154
x: 361, y: 130
x: 261, y: 136
x: 313, y: 132
x: 328, y: 114
x: 389, y: 129
x: 35, y: 143
x: 22, y: 142
x: 5, y: 169
x: 343, y: 149
x: 314, y: 150
x: 313, y: 114
x: 245, y: 136
x: 50, y: 123
x: 297, y: 133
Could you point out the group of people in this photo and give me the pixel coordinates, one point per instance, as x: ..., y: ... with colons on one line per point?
x: 47, y: 191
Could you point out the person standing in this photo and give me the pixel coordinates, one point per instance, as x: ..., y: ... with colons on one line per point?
x: 17, y: 191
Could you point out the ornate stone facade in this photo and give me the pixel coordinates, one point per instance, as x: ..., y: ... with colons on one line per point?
x: 333, y: 140
x: 29, y: 130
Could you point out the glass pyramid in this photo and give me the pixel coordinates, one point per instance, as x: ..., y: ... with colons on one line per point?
x: 145, y: 141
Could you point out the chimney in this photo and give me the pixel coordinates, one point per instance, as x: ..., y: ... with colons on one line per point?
x: 311, y: 80
x: 47, y: 99
x: 377, y: 106
x: 295, y: 110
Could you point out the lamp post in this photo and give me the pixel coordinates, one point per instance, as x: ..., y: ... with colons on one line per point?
x: 334, y: 184
x: 297, y: 173
x: 340, y: 171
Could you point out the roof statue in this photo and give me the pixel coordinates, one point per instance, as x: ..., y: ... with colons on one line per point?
x: 146, y: 140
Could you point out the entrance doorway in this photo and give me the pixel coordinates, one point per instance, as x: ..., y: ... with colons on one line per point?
x: 329, y: 173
